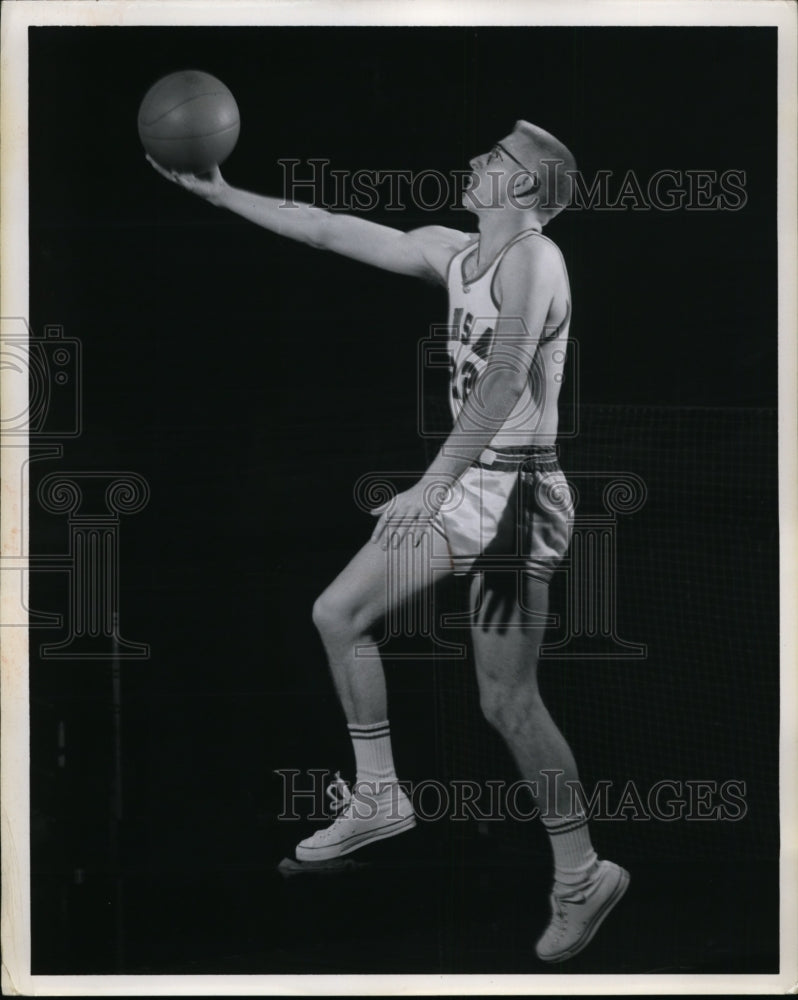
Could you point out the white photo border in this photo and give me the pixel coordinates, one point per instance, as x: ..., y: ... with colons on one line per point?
x: 17, y: 16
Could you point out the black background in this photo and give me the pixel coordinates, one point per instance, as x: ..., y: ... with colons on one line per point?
x: 252, y: 381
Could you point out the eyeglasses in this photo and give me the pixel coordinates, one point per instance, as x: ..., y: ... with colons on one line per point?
x: 508, y: 153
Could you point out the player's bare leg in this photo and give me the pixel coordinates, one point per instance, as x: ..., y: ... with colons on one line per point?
x: 507, y: 633
x: 506, y: 640
x: 347, y: 615
x: 374, y: 584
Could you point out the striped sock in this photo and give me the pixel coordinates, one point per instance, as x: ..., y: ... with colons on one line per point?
x: 573, y: 852
x: 373, y: 755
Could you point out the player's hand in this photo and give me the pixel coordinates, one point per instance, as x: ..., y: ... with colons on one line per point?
x: 409, y: 512
x: 208, y: 186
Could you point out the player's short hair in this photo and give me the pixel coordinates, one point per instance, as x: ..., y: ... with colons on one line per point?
x: 543, y: 154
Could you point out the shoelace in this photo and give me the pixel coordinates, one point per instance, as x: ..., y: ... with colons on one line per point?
x: 560, y: 911
x: 559, y: 921
x: 339, y: 795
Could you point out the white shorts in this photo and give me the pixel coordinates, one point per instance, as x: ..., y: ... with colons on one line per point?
x: 517, y: 511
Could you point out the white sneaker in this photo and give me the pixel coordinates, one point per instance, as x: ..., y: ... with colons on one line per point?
x: 578, y: 914
x: 366, y: 816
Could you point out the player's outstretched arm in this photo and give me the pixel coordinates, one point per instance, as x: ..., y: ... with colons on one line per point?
x: 423, y: 253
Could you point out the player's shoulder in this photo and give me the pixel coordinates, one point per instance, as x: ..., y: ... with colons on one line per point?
x: 534, y: 261
x: 439, y: 244
x: 442, y: 235
x: 533, y: 248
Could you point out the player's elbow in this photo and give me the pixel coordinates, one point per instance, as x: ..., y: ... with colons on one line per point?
x: 505, y: 382
x: 318, y: 229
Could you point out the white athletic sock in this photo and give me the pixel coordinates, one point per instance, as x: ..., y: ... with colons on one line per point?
x: 573, y: 852
x: 373, y: 754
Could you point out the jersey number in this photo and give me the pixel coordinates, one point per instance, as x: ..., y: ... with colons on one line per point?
x: 463, y: 380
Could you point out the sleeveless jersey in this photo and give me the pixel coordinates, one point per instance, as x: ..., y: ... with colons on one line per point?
x: 473, y: 313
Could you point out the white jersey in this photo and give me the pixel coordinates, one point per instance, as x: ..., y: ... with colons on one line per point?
x: 473, y: 313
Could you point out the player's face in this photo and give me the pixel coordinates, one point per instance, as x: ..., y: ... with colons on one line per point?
x: 492, y: 175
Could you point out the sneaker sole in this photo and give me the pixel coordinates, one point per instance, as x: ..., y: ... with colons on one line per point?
x: 598, y: 919
x: 355, y: 842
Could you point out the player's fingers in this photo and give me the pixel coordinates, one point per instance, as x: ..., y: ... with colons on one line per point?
x: 423, y: 526
x: 407, y: 526
x: 182, y: 180
x: 397, y: 535
x: 170, y: 175
x: 395, y: 529
x: 383, y: 510
x: 158, y: 168
x: 392, y: 534
x: 191, y: 182
x: 379, y: 529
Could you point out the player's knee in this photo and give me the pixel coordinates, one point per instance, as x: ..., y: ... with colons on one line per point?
x: 333, y: 614
x: 326, y: 612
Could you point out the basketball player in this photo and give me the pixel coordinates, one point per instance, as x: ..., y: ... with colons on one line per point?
x: 495, y: 488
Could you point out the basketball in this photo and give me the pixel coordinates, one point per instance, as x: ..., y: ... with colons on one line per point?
x: 189, y: 121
